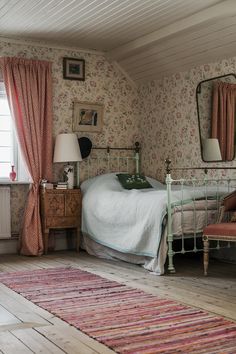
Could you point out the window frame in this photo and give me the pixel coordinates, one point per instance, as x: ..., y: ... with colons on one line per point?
x: 22, y: 174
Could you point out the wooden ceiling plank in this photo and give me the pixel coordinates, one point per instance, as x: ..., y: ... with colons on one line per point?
x: 93, y: 19
x: 118, y: 25
x: 121, y: 23
x: 81, y: 18
x: 186, y: 47
x: 198, y: 33
x: 6, y: 6
x: 171, y: 43
x: 168, y: 13
x: 60, y: 15
x: 227, y: 8
x: 10, y: 8
x: 108, y: 15
x: 25, y: 12
x: 85, y: 32
x: 181, y: 68
x: 130, y: 30
x: 56, y: 11
x: 188, y: 62
x: 160, y: 67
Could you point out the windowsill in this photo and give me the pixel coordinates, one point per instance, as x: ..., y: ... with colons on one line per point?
x: 14, y: 182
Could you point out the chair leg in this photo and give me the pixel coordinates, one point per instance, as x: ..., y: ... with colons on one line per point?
x: 205, y: 254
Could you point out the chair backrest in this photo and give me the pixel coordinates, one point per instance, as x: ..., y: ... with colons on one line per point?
x: 229, y: 202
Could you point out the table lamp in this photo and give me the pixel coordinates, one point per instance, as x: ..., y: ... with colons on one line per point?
x: 67, y: 150
x: 211, y: 150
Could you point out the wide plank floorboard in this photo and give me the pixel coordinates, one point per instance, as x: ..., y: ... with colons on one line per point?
x: 26, y: 328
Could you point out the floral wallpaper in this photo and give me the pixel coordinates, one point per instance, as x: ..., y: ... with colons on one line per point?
x: 104, y: 83
x: 169, y: 123
x: 162, y: 114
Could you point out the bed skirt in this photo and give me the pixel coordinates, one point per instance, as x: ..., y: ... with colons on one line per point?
x: 154, y: 265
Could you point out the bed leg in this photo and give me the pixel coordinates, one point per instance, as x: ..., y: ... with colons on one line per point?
x: 171, y: 267
x: 205, y: 254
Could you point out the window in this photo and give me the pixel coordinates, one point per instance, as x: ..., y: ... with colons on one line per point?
x: 9, y: 152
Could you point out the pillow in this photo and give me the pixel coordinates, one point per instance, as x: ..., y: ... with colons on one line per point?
x: 133, y: 181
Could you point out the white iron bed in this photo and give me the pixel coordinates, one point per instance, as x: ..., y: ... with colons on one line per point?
x: 140, y: 226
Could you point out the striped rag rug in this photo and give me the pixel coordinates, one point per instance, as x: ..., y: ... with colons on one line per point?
x: 125, y: 319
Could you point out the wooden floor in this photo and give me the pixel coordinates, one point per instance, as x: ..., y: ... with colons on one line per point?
x: 26, y: 328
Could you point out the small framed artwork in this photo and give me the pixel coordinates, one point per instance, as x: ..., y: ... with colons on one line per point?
x: 73, y: 69
x: 87, y: 117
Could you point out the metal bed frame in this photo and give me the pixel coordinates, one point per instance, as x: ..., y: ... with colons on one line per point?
x: 113, y: 161
x: 229, y: 183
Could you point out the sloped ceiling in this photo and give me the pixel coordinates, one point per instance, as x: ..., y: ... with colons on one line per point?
x: 149, y: 39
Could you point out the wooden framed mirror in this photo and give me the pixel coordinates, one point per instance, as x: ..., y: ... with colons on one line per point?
x: 216, y: 109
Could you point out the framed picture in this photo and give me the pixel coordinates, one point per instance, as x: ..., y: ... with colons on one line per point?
x: 73, y: 69
x: 88, y: 117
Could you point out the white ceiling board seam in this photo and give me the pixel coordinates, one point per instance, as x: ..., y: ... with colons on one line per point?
x: 124, y: 21
x: 206, y: 42
x: 200, y: 59
x: 174, y: 43
x: 73, y: 18
x: 226, y: 8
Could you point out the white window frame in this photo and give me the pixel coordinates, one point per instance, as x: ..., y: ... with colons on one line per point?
x: 22, y: 174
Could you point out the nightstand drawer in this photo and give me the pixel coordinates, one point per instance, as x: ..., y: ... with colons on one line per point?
x: 60, y: 222
x: 73, y: 204
x: 55, y: 205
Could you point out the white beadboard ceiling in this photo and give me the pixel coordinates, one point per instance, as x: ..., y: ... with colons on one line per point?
x: 149, y: 39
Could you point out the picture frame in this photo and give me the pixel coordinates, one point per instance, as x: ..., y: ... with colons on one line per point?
x: 87, y: 117
x: 73, y: 69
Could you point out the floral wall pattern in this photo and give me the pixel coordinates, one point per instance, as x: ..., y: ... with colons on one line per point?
x: 104, y: 83
x: 169, y: 123
x: 162, y: 114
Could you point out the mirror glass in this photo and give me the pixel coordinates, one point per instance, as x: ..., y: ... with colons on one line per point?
x: 216, y: 109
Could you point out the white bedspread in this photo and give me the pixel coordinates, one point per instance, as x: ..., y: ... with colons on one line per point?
x: 129, y: 221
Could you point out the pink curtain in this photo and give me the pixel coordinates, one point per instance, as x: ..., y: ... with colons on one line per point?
x: 29, y: 90
x: 223, y: 117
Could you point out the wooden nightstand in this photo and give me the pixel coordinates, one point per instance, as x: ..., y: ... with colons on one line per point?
x: 60, y: 209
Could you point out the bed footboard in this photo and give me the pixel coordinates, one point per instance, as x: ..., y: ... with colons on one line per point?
x: 192, y: 202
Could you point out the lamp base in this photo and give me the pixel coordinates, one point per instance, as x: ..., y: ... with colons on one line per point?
x: 69, y: 176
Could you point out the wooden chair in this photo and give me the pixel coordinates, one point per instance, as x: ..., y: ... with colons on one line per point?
x: 221, y: 231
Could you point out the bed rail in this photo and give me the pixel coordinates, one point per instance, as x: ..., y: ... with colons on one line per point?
x: 216, y: 187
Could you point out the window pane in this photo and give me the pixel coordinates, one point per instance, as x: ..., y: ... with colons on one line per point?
x: 5, y: 169
x: 5, y: 154
x: 4, y: 106
x: 8, y: 144
x: 5, y: 139
x: 5, y: 122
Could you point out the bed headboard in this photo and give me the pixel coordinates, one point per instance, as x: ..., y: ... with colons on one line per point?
x: 110, y: 159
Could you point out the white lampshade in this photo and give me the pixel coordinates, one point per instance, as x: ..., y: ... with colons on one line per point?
x: 67, y: 148
x: 211, y: 150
